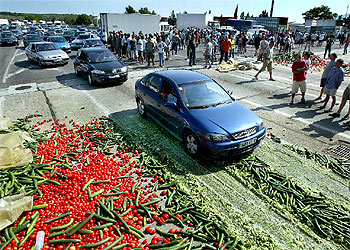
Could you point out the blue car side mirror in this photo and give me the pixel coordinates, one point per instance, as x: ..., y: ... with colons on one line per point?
x: 171, y: 105
x: 229, y: 92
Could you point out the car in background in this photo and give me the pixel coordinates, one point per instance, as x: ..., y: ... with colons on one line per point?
x: 31, y: 38
x: 61, y: 42
x: 93, y: 42
x: 199, y: 112
x: 18, y: 33
x: 68, y: 35
x: 8, y: 38
x: 78, y: 42
x: 46, y: 53
x: 99, y: 65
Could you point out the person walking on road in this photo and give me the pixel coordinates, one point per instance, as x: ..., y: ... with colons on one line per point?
x: 192, y: 51
x: 328, y: 48
x: 150, y: 47
x: 325, y: 74
x: 208, y: 53
x: 347, y: 41
x: 268, y: 54
x: 345, y: 98
x: 161, y: 46
x: 335, y: 78
x: 225, y: 48
x: 299, y: 68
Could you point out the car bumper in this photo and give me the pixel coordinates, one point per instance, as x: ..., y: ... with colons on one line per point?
x: 9, y: 42
x: 67, y: 50
x: 233, y: 148
x: 110, y: 78
x: 76, y: 46
x: 54, y: 62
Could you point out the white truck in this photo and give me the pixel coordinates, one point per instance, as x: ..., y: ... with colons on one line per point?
x: 128, y: 23
x: 200, y: 21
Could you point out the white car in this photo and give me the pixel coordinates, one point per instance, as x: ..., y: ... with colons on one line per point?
x: 46, y: 53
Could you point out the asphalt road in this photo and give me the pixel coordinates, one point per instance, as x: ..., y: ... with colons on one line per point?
x: 56, y: 92
x: 22, y: 80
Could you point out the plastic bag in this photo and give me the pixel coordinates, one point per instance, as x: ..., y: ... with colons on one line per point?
x: 12, y: 207
x: 12, y: 151
x: 5, y: 123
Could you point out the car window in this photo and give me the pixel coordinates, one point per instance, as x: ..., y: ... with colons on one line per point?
x: 154, y: 83
x: 168, y: 92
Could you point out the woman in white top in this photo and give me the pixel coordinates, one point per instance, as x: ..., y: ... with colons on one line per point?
x: 161, y: 47
x: 139, y: 49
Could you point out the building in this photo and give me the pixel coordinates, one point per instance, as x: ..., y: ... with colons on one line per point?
x: 329, y: 26
x: 275, y: 24
x: 294, y: 27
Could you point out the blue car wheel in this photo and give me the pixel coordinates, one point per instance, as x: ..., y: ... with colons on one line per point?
x: 191, y: 144
x: 141, y: 107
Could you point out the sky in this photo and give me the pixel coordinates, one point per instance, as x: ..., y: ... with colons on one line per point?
x: 283, y: 8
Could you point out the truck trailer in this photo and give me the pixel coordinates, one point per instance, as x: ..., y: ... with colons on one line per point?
x: 200, y: 21
x: 128, y: 23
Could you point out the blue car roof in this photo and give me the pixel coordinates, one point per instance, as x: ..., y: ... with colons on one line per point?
x: 182, y: 76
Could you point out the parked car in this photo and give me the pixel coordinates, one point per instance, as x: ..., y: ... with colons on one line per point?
x: 77, y: 43
x: 18, y: 33
x: 199, y: 112
x: 31, y: 38
x: 61, y: 42
x: 99, y: 65
x: 68, y: 35
x: 93, y: 42
x: 8, y: 38
x: 46, y: 53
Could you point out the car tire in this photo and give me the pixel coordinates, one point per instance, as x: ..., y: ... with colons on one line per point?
x: 40, y: 63
x: 90, y: 80
x: 141, y: 107
x: 191, y: 144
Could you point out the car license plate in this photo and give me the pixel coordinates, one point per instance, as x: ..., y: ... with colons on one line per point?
x: 247, y: 143
x: 115, y: 76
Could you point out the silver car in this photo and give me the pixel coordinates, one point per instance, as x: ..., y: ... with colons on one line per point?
x: 46, y: 53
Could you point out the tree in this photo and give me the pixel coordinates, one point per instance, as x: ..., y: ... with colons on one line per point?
x: 236, y: 12
x: 264, y: 14
x: 185, y: 12
x: 247, y: 16
x: 129, y: 9
x: 144, y: 10
x: 153, y: 13
x: 69, y: 19
x: 33, y: 17
x: 83, y: 19
x: 242, y: 15
x: 318, y: 13
x: 172, y: 18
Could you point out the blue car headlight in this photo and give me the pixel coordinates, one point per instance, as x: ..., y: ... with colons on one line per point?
x: 124, y: 69
x: 216, y: 137
x: 261, y: 125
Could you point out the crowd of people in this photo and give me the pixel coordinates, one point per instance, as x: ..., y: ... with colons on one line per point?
x: 144, y: 47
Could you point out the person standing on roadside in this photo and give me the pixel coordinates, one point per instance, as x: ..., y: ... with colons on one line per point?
x: 257, y: 40
x: 167, y: 48
x: 346, y: 44
x: 268, y: 54
x: 328, y: 48
x: 175, y: 43
x: 208, y: 53
x: 225, y: 48
x: 192, y: 48
x: 335, y: 78
x: 325, y: 74
x: 150, y: 51
x: 299, y: 68
x: 161, y: 47
x: 139, y: 49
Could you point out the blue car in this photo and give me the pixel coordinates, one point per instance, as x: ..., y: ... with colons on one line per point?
x: 199, y: 112
x: 61, y: 42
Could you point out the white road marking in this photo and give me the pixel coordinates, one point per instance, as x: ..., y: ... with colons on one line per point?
x: 15, y: 73
x: 2, y: 99
x: 21, y: 53
x: 104, y: 109
x: 335, y: 132
x: 8, y: 67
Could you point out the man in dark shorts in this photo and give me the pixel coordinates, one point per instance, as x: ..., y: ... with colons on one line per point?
x: 325, y: 73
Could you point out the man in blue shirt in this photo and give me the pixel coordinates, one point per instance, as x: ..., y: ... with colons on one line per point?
x: 335, y: 78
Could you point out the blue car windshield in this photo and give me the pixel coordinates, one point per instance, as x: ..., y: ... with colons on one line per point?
x: 94, y: 43
x: 203, y: 94
x: 101, y: 56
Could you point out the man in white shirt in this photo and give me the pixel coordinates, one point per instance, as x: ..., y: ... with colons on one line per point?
x: 208, y: 52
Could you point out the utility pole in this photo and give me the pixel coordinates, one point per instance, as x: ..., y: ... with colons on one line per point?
x: 272, y: 4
